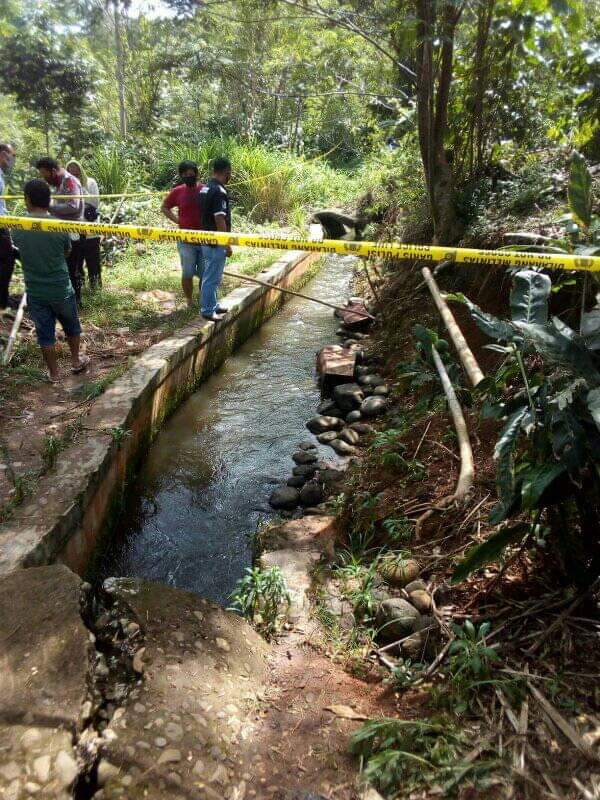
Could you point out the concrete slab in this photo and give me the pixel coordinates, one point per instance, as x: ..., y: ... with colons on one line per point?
x: 44, y: 660
x: 178, y: 734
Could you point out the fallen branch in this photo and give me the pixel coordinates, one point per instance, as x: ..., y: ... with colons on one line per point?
x: 561, y: 723
x: 465, y: 353
x: 467, y: 466
x: 561, y: 618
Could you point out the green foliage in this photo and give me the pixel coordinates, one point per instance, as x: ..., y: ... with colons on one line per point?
x: 113, y: 167
x: 262, y: 597
x: 119, y: 435
x: 548, y: 451
x: 409, y: 755
x: 580, y: 191
x: 51, y: 447
x: 473, y: 672
x: 399, y: 529
x: 359, y: 581
x: 406, y: 673
x: 267, y: 184
x: 482, y: 554
x: 46, y: 79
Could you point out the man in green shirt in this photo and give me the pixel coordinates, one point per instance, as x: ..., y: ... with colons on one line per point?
x: 50, y: 294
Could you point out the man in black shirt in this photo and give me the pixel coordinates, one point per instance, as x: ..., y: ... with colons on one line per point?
x: 216, y: 216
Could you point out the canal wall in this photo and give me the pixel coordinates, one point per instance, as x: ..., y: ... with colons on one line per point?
x: 80, y: 498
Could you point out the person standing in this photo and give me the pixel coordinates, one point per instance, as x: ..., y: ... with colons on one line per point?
x: 185, y: 198
x: 50, y: 294
x: 69, y: 207
x: 216, y: 216
x: 90, y: 248
x: 7, y: 251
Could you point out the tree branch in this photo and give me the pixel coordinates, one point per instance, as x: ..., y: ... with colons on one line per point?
x: 353, y: 28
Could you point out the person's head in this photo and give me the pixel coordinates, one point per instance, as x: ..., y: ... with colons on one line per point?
x: 222, y: 169
x: 37, y: 195
x: 7, y: 157
x: 75, y: 168
x: 188, y: 172
x: 49, y: 169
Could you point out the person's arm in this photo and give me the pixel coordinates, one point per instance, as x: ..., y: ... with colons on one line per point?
x: 167, y: 206
x: 93, y: 193
x: 221, y: 226
x: 68, y: 209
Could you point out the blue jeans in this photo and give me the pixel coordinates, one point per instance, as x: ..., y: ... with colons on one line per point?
x: 214, y: 264
x: 44, y: 314
x: 190, y: 256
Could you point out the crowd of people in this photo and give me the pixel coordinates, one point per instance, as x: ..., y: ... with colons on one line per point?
x: 54, y: 263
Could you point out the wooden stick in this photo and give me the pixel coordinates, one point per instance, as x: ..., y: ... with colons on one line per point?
x: 295, y: 294
x: 561, y: 723
x: 465, y: 353
x: 467, y: 466
x: 15, y: 329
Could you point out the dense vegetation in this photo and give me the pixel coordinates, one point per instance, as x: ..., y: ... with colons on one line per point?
x: 466, y: 88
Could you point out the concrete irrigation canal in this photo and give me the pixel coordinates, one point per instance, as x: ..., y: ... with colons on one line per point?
x: 205, y: 483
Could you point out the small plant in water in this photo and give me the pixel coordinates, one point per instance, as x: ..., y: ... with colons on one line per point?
x: 263, y: 598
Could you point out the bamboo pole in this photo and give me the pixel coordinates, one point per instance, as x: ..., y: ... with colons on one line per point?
x: 467, y: 466
x: 465, y: 353
x: 14, y: 331
x: 297, y: 294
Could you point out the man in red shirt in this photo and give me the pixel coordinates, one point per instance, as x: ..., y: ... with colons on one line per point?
x: 185, y: 199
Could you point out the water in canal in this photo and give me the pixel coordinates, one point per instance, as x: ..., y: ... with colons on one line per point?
x: 206, y: 480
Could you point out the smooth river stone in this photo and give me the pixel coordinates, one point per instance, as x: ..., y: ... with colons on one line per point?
x: 373, y: 406
x: 348, y: 396
x: 320, y: 424
x: 305, y: 457
x: 284, y: 497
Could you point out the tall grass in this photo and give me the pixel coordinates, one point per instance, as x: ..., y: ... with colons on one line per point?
x: 113, y: 168
x: 266, y: 184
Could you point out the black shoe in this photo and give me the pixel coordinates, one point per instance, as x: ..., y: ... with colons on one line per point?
x: 221, y: 309
x: 213, y: 317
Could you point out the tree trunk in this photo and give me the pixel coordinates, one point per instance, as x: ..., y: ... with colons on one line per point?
x: 120, y: 69
x: 433, y: 95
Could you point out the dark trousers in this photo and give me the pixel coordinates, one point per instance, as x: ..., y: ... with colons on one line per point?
x: 7, y: 263
x: 75, y: 264
x: 91, y: 254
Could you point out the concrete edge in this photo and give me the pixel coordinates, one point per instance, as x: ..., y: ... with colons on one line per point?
x: 79, y: 499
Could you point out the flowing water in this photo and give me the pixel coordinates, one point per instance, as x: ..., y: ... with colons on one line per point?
x: 205, y: 483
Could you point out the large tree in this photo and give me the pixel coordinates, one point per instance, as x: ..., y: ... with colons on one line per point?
x: 47, y: 80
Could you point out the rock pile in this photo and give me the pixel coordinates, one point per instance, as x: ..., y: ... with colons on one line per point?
x: 356, y: 393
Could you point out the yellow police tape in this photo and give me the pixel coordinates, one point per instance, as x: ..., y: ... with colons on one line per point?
x: 461, y: 255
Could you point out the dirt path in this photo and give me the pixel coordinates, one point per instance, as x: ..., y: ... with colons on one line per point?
x: 301, y: 742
